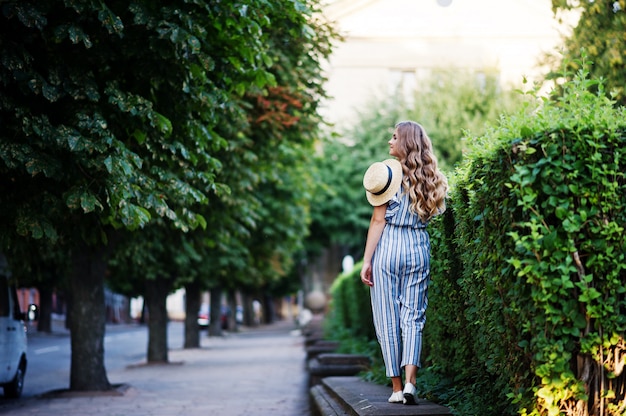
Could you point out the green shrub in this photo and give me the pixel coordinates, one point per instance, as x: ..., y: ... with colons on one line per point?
x: 350, y: 315
x: 527, y: 301
x: 528, y: 296
x: 349, y: 321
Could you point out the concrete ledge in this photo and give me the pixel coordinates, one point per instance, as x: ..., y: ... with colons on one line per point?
x: 328, y: 365
x: 344, y: 359
x: 320, y: 347
x: 313, y: 338
x: 353, y: 396
x: 324, y: 404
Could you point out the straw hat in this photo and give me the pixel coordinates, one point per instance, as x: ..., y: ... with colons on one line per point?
x: 382, y: 180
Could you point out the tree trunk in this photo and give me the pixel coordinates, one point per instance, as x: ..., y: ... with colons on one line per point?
x: 44, y: 322
x: 69, y: 309
x: 215, y: 327
x: 249, y: 315
x: 192, y: 307
x: 269, y: 314
x: 156, y: 301
x: 87, y: 326
x: 233, y: 325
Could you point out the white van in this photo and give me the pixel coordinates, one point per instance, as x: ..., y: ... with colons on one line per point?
x: 12, y: 337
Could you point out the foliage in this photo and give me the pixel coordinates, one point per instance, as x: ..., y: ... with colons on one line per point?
x: 447, y: 105
x: 98, y: 122
x: 258, y: 226
x: 284, y: 128
x: 146, y: 123
x: 351, y: 310
x: 527, y: 303
x: 538, y: 224
x: 350, y: 321
x: 600, y: 32
x: 150, y: 139
x: 453, y: 103
x: 258, y: 218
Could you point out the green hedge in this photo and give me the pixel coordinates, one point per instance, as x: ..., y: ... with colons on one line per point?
x: 527, y: 309
x: 537, y: 222
x: 350, y: 310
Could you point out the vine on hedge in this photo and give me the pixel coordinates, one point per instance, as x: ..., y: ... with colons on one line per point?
x: 539, y: 225
x: 570, y: 248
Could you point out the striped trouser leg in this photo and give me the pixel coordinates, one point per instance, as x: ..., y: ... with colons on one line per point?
x: 385, y: 295
x: 386, y: 314
x: 413, y: 304
x: 400, y: 297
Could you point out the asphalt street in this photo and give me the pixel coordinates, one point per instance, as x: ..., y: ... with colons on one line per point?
x: 259, y: 371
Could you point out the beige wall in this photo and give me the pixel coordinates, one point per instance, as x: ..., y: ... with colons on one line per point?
x: 390, y: 40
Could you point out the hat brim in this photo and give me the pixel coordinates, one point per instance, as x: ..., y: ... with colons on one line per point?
x: 394, y: 186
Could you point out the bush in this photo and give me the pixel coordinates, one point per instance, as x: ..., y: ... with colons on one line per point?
x: 533, y: 258
x: 350, y: 315
x: 349, y: 321
x: 527, y: 310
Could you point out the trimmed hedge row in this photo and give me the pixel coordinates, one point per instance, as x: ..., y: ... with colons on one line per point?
x: 350, y: 309
x: 537, y: 223
x: 527, y: 310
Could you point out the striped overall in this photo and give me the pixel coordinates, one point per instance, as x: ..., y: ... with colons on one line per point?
x: 401, y: 273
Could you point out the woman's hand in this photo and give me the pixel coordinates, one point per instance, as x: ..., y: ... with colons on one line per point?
x: 366, y: 274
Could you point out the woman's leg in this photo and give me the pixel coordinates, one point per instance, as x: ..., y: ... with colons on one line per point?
x: 385, y: 311
x: 414, y: 301
x: 410, y: 374
x: 396, y: 383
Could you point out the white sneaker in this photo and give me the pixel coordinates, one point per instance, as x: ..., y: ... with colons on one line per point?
x: 396, y: 397
x: 409, y: 394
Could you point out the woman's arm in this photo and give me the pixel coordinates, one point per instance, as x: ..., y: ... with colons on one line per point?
x: 377, y: 223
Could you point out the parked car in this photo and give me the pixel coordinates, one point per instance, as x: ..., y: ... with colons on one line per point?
x: 13, y: 359
x: 204, y: 316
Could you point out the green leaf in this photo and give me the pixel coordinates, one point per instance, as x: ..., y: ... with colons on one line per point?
x: 525, y: 131
x: 588, y: 295
x: 126, y: 167
x: 89, y: 202
x: 163, y: 124
x: 240, y: 89
x: 140, y: 136
x: 108, y: 163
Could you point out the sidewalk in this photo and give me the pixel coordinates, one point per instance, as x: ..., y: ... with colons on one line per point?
x: 259, y: 371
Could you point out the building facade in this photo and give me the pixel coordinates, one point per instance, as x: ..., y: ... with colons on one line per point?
x: 392, y: 43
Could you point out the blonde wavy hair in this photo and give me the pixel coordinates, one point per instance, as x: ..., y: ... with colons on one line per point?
x: 426, y: 186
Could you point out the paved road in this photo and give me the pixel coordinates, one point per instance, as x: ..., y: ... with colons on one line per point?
x: 259, y: 371
x: 49, y: 355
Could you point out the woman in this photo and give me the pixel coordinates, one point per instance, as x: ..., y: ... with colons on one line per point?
x: 406, y: 193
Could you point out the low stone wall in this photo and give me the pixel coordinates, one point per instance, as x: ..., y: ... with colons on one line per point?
x: 336, y: 389
x: 332, y: 365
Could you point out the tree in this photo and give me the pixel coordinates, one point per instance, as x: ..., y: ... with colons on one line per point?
x: 600, y: 32
x: 148, y: 263
x: 108, y: 114
x: 447, y: 105
x: 258, y: 209
x: 258, y: 225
